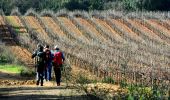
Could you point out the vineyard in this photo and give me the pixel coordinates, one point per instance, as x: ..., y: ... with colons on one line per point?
x: 128, y: 48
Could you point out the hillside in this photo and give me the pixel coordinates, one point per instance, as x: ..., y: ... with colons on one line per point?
x: 148, y: 36
x: 135, y: 49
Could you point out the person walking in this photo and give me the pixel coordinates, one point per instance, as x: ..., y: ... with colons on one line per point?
x: 40, y: 64
x: 58, y: 60
x: 48, y: 63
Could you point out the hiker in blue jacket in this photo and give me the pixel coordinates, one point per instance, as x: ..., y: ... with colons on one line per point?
x: 48, y: 63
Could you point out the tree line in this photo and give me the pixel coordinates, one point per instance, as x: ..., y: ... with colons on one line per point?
x: 87, y: 5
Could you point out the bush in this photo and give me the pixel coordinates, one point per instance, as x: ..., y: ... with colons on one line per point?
x: 7, y: 57
x: 25, y: 72
x: 130, y: 5
x: 81, y: 79
x: 123, y: 83
x: 108, y: 80
x: 4, y: 55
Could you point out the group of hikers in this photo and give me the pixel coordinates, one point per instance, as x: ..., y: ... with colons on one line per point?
x: 45, y: 60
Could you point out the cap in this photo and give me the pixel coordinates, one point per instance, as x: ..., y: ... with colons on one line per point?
x: 56, y: 47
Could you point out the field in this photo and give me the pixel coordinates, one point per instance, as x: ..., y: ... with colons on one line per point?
x: 128, y: 49
x: 10, y: 68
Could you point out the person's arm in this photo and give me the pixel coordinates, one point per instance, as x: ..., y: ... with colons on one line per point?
x: 52, y: 55
x: 63, y: 57
x: 34, y: 54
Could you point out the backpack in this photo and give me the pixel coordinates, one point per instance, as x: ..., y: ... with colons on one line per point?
x: 40, y: 57
x: 57, y: 58
x: 40, y: 61
x: 48, y: 55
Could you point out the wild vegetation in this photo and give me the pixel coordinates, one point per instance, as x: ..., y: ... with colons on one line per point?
x: 86, y: 5
x: 4, y: 58
x: 139, y: 61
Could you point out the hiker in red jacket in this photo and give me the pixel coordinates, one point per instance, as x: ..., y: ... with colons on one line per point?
x: 58, y: 60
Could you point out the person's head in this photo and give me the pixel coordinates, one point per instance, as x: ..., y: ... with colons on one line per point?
x: 56, y: 47
x: 40, y: 47
x: 47, y: 46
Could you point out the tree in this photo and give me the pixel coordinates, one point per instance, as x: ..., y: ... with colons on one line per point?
x: 6, y: 6
x: 96, y: 4
x: 130, y: 5
x: 85, y: 5
x: 155, y: 5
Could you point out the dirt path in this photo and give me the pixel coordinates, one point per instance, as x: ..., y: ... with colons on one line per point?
x: 14, y: 87
x: 32, y: 92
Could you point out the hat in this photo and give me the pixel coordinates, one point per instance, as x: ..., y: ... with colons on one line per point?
x: 47, y: 46
x: 40, y: 47
x: 56, y: 47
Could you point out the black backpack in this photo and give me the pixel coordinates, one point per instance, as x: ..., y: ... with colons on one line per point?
x: 40, y: 57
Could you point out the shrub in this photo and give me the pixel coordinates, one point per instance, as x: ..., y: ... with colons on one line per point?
x: 123, y: 83
x: 81, y: 79
x: 108, y: 80
x: 5, y: 57
x: 25, y: 72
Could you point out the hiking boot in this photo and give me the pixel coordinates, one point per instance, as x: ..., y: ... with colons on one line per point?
x: 37, y: 83
x: 58, y: 84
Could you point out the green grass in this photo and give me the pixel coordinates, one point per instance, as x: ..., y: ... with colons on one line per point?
x: 11, y: 68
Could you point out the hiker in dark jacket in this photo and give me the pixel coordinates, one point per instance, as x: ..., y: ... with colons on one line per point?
x: 48, y: 64
x: 40, y: 64
x: 58, y: 60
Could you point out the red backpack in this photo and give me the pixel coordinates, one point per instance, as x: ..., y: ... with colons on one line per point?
x: 57, y: 58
